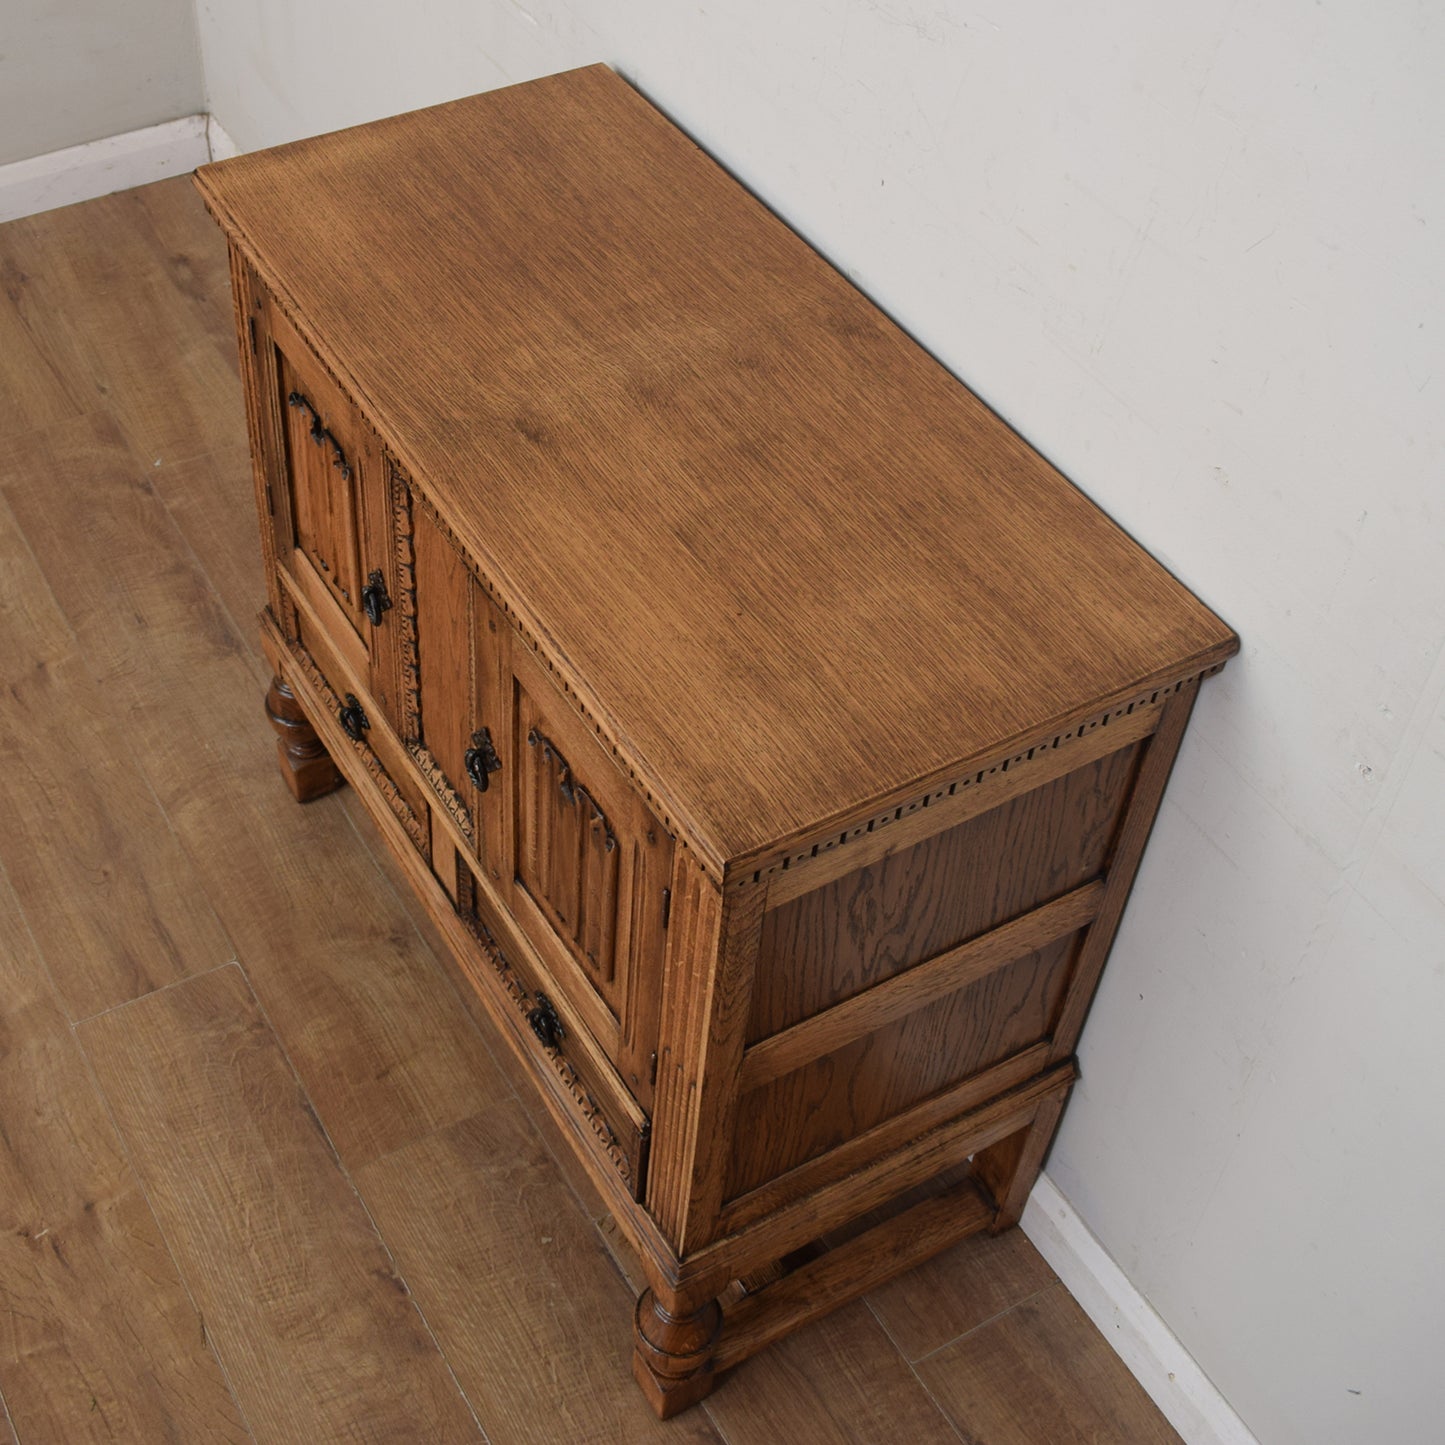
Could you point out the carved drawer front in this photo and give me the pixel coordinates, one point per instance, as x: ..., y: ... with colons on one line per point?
x: 556, y: 1040
x: 592, y: 870
x: 347, y: 716
x: 329, y: 503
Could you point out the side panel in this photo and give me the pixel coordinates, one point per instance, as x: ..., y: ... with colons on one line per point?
x: 909, y: 979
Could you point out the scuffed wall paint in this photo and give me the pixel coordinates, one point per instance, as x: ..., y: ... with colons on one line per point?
x: 79, y: 70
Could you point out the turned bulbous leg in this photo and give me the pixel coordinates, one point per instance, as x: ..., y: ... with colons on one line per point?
x: 673, y: 1358
x: 305, y: 763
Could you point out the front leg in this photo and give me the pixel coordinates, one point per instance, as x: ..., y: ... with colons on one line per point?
x: 673, y: 1358
x: 305, y: 763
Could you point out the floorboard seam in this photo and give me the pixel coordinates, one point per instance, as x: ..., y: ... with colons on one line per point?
x: 125, y: 1003
x: 144, y: 1193
x: 983, y: 1324
x: 365, y: 1207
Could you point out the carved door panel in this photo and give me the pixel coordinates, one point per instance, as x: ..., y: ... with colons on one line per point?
x: 591, y: 870
x: 326, y: 493
x: 454, y: 646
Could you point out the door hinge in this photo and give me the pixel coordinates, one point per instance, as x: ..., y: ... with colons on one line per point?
x: 652, y: 1069
x: 666, y: 906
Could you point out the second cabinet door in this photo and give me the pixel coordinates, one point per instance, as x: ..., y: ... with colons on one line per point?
x: 565, y: 844
x: 591, y: 869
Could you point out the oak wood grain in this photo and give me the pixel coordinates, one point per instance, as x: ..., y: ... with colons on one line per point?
x: 1148, y: 793
x: 209, y: 499
x: 642, y: 332
x: 861, y: 847
x: 317, y: 1330
x: 34, y: 390
x: 851, y: 1268
x: 507, y: 1260
x: 859, y: 1177
x: 870, y: 1150
x: 903, y: 993
x: 858, y: 930
x: 101, y: 1340
x: 103, y: 296
x: 1041, y: 1372
x: 843, y: 1095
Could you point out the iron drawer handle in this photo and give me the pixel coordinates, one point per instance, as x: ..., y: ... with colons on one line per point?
x: 545, y: 1023
x: 481, y: 759
x: 352, y: 717
x: 375, y: 600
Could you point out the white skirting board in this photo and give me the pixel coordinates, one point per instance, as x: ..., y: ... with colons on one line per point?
x: 221, y: 145
x: 83, y: 172
x: 1185, y: 1394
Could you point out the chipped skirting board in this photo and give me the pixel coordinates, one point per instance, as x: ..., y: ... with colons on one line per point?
x: 1146, y: 1345
x: 221, y: 145
x: 83, y: 172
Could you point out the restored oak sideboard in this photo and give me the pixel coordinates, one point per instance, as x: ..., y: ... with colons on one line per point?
x: 772, y: 733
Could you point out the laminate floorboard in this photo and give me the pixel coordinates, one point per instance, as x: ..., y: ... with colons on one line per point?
x: 84, y: 826
x: 318, y: 1333
x: 108, y: 307
x: 1042, y: 1372
x: 837, y: 1381
x: 183, y: 1236
x: 957, y: 1291
x: 374, y: 1031
x: 99, y: 1339
x: 527, y: 1306
x: 33, y: 390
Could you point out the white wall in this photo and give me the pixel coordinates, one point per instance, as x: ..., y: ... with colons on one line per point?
x: 78, y: 70
x: 1194, y: 254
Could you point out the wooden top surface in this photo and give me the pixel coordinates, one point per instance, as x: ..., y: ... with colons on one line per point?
x: 791, y: 565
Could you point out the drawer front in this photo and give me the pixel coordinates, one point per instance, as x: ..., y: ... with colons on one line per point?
x: 592, y: 867
x: 557, y: 1041
x: 346, y: 714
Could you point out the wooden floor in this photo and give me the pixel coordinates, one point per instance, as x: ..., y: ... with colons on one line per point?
x: 261, y: 1178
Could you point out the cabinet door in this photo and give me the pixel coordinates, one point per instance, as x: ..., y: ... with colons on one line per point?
x: 328, y: 503
x: 591, y: 870
x: 452, y: 642
x: 563, y: 841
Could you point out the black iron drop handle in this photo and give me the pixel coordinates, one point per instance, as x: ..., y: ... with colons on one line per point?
x: 481, y: 759
x: 375, y: 600
x: 353, y: 717
x: 545, y: 1023
x: 320, y: 435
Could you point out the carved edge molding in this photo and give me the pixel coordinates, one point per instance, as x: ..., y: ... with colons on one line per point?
x: 566, y: 1074
x: 383, y: 780
x: 436, y: 778
x: 969, y: 780
x: 405, y: 558
x: 409, y: 659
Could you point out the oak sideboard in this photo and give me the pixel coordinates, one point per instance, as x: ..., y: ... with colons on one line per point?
x: 772, y: 734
